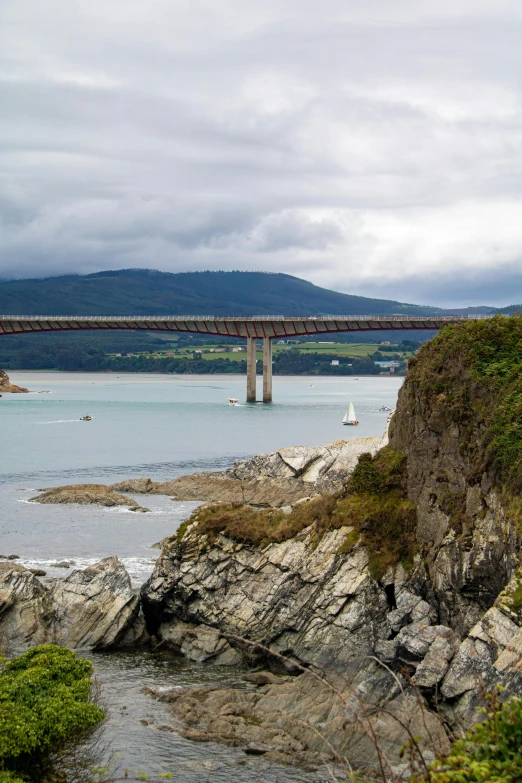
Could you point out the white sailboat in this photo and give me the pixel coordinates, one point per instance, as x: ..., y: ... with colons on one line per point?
x: 350, y: 417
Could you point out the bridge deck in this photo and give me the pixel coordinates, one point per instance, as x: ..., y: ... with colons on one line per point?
x: 260, y: 326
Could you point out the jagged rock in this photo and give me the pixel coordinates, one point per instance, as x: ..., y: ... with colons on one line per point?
x: 305, y: 600
x: 94, y: 608
x: 436, y: 661
x: 87, y: 494
x: 469, y: 670
x: 10, y: 388
x: 199, y: 643
x: 38, y: 571
x: 26, y: 609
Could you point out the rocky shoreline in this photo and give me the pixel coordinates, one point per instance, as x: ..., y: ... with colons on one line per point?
x: 267, y: 480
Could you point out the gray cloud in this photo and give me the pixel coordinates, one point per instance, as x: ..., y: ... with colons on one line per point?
x: 376, y: 151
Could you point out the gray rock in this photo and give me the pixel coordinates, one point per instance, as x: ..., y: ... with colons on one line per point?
x: 199, y: 643
x: 471, y: 669
x: 386, y: 650
x: 94, y: 608
x: 435, y: 663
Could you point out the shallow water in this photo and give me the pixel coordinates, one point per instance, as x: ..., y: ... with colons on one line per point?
x: 161, y: 427
x: 142, y: 747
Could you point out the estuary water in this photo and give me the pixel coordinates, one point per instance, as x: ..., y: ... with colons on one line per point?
x: 161, y: 427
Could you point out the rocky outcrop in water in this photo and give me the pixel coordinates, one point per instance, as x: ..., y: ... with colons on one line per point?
x: 91, y: 609
x: 87, y: 494
x: 274, y: 480
x: 10, y: 388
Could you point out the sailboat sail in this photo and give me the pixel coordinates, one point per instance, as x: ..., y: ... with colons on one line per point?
x: 350, y: 417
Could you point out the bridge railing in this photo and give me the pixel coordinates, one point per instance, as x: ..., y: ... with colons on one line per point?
x: 242, y: 318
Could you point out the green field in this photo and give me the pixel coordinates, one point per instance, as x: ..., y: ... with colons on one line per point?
x: 349, y: 350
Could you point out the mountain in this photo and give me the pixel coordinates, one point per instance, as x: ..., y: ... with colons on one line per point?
x: 148, y: 292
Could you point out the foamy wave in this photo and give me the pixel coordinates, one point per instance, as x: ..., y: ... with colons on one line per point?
x: 138, y: 568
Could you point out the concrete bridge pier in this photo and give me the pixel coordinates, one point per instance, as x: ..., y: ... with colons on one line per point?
x: 267, y: 369
x: 251, y: 369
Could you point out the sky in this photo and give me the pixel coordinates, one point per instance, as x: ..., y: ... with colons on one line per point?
x: 370, y: 147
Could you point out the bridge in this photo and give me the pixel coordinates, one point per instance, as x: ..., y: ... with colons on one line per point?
x: 252, y: 328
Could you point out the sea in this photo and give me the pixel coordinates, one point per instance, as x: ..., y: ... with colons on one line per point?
x: 159, y: 426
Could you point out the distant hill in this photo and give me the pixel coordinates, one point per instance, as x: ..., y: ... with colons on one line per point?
x: 148, y: 292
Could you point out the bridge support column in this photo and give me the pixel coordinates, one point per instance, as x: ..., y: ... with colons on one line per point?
x: 251, y: 369
x: 267, y: 369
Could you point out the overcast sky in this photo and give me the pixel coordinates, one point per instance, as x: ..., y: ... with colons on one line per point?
x: 372, y: 147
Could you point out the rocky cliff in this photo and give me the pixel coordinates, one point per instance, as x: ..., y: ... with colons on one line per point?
x: 7, y: 386
x: 412, y: 567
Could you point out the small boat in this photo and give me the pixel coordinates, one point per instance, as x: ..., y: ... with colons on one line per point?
x: 233, y: 401
x: 384, y: 408
x: 350, y: 417
x: 86, y: 418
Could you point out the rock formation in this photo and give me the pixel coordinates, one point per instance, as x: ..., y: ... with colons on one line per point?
x: 269, y: 480
x: 7, y: 386
x: 87, y: 494
x: 95, y: 608
x: 409, y: 573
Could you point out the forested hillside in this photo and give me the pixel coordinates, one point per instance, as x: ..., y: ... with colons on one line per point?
x: 147, y: 292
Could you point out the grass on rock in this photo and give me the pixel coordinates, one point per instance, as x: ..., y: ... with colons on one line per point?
x: 373, y: 503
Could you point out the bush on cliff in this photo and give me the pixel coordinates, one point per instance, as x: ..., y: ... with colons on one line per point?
x: 489, y: 753
x: 374, y: 503
x: 44, y: 705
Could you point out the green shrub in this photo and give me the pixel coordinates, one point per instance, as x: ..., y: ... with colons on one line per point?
x: 492, y: 751
x: 44, y: 704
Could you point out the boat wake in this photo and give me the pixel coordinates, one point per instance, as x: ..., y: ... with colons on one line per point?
x: 59, y: 421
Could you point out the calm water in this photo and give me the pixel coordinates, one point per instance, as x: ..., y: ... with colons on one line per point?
x: 161, y: 427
